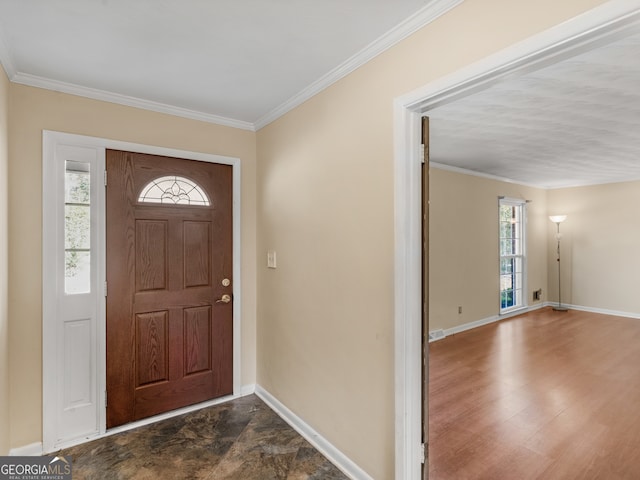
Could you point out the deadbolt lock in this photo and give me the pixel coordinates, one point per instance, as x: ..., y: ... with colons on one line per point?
x: 226, y: 282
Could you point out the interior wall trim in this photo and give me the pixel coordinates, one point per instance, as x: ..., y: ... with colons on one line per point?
x: 247, y: 390
x: 424, y: 16
x: 465, y: 171
x: 105, y: 96
x: 6, y: 59
x: 339, y: 459
x: 473, y: 173
x: 31, y: 450
x: 427, y: 14
x: 604, y: 311
x: 496, y: 318
x: 610, y: 21
x: 486, y: 321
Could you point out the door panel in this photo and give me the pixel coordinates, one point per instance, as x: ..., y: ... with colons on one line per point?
x: 197, y: 254
x: 197, y: 341
x: 151, y: 255
x: 152, y: 347
x: 169, y: 344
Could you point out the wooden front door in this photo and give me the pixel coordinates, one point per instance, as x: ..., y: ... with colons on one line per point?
x: 169, y: 284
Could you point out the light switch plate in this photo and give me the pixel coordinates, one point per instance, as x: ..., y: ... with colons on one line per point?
x: 271, y: 259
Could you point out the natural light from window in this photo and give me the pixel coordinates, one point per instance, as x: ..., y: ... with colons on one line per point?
x: 77, y: 228
x: 174, y: 190
x: 512, y: 254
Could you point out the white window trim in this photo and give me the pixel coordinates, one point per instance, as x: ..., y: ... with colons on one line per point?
x: 517, y: 202
x: 52, y: 142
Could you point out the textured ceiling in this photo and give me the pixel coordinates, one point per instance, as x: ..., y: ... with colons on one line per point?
x: 576, y: 122
x: 236, y: 59
x: 240, y: 62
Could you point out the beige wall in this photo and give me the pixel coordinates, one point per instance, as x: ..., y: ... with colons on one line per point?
x: 325, y: 198
x: 599, y: 246
x: 4, y: 245
x: 31, y: 111
x: 463, y: 234
x: 325, y: 205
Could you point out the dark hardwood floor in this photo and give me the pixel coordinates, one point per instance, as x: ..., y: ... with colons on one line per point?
x: 546, y: 395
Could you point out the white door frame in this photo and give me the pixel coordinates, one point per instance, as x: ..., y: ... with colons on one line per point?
x: 598, y: 26
x: 53, y: 143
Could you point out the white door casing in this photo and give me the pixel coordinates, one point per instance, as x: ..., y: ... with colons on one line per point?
x: 74, y: 326
x: 612, y: 20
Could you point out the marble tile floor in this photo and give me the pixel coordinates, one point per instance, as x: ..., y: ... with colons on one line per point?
x: 239, y: 440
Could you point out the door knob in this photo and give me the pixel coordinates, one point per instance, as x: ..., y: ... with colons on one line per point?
x: 226, y: 298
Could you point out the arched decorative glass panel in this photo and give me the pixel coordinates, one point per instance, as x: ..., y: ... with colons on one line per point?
x: 174, y: 190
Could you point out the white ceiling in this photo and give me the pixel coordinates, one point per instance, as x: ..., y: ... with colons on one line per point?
x: 235, y: 60
x: 245, y: 62
x: 573, y: 123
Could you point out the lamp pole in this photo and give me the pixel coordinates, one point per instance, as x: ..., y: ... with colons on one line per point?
x: 558, y: 219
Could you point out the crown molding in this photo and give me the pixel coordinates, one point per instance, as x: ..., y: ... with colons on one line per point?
x: 103, y: 95
x: 474, y: 173
x: 612, y: 20
x: 592, y: 184
x: 488, y: 176
x: 6, y: 60
x: 424, y: 16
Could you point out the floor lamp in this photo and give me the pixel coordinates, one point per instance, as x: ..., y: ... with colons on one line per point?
x: 558, y: 219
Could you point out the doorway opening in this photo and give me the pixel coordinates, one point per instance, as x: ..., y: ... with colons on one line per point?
x: 598, y: 26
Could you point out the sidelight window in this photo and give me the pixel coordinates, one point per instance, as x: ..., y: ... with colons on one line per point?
x: 174, y: 190
x: 77, y: 228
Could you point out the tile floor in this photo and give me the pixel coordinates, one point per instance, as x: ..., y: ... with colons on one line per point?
x: 242, y: 439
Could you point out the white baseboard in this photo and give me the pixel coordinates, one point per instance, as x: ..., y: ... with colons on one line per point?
x: 339, y: 459
x: 604, y: 311
x: 244, y: 391
x: 247, y: 390
x: 31, y: 450
x: 484, y: 321
x: 495, y: 318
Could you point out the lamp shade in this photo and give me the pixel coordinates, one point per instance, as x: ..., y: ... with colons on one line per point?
x: 557, y: 218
